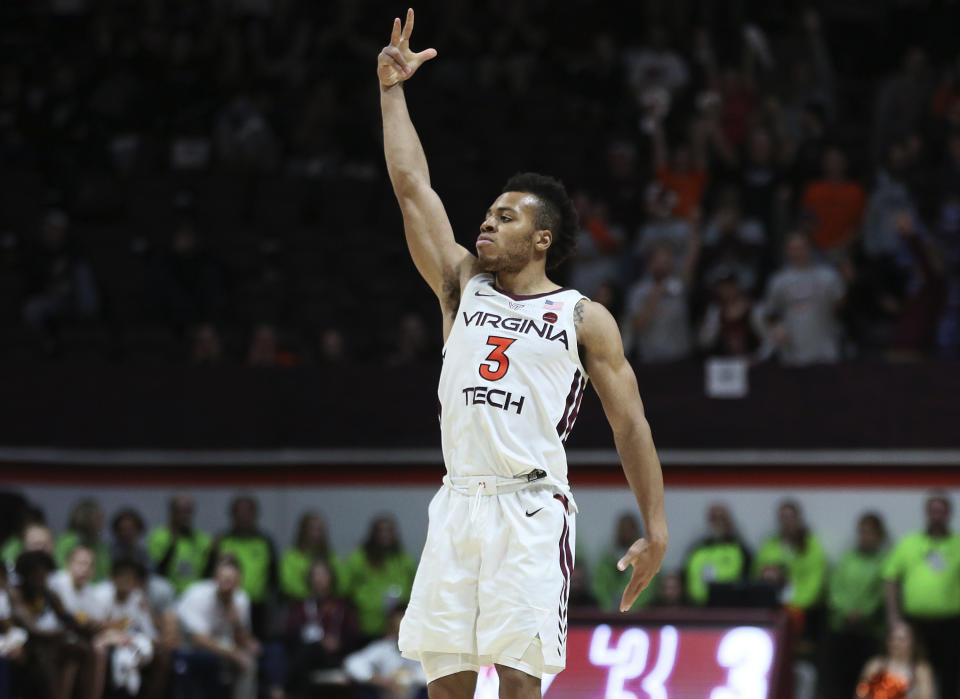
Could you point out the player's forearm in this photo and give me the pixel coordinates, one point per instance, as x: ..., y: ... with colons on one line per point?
x: 406, y: 161
x: 642, y: 469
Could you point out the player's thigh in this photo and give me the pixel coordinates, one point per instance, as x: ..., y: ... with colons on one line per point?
x: 459, y: 685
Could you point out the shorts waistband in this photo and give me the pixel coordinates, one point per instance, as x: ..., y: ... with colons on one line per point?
x: 494, y: 485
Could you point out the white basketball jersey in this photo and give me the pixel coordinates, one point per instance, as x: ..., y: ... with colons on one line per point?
x: 511, y: 383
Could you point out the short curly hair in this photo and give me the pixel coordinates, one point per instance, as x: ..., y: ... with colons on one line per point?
x: 555, y: 212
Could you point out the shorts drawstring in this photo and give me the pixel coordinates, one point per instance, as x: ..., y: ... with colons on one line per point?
x: 475, y: 505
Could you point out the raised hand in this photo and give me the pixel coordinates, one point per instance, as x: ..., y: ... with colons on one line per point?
x: 396, y: 62
x: 645, y: 557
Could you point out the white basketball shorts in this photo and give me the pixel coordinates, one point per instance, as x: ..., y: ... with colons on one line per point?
x: 493, y: 580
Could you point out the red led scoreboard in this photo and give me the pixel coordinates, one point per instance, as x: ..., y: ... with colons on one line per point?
x: 703, y: 654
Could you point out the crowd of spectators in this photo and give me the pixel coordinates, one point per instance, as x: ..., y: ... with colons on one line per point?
x: 176, y: 612
x: 202, y: 181
x: 880, y: 619
x: 172, y: 611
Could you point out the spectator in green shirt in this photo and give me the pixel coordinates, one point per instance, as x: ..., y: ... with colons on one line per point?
x: 855, y: 609
x: 379, y: 575
x: 799, y: 551
x: 179, y: 552
x: 310, y: 546
x: 721, y: 557
x: 922, y: 578
x: 255, y: 552
x: 609, y: 582
x: 84, y: 528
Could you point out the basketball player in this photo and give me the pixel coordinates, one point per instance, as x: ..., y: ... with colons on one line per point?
x: 493, y: 581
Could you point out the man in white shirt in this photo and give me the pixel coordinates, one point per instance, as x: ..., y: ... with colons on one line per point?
x: 658, y: 317
x: 215, y: 618
x: 381, y: 665
x: 804, y: 298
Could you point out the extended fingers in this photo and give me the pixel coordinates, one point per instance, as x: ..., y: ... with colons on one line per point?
x: 408, y: 25
x: 395, y: 34
x: 638, y: 583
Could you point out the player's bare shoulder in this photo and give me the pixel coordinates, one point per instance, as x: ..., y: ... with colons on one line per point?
x: 597, y: 331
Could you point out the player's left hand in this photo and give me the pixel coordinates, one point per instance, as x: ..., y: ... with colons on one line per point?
x: 646, y: 558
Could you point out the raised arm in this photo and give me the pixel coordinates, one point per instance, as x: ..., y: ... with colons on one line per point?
x: 436, y: 254
x: 616, y: 384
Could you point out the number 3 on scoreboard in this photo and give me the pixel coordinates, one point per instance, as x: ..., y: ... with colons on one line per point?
x: 498, y: 357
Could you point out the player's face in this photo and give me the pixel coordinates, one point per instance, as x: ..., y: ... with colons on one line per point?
x: 508, y: 238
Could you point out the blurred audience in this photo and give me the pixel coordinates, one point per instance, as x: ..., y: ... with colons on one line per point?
x: 126, y: 634
x: 179, y: 551
x: 800, y: 311
x: 219, y: 645
x: 256, y: 555
x: 900, y: 673
x: 836, y: 202
x: 186, y: 284
x: 658, y: 318
x: 59, y: 284
x: 379, y: 575
x: 745, y: 124
x: 727, y: 328
x: 128, y: 528
x: 854, y: 609
x: 310, y: 546
x: 380, y: 667
x: 133, y: 635
x: 58, y: 656
x: 671, y: 590
x: 922, y: 577
x: 720, y: 557
x: 85, y: 528
x: 800, y: 553
x: 320, y: 629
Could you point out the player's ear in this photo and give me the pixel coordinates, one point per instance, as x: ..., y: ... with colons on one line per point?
x: 542, y: 240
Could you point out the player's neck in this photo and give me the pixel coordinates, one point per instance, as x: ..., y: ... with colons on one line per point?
x: 525, y: 282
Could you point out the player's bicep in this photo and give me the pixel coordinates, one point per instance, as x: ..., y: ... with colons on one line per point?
x: 430, y: 238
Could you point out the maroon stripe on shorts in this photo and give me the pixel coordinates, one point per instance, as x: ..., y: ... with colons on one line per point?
x: 571, y: 397
x: 566, y: 567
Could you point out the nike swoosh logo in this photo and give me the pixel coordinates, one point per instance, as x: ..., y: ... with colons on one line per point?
x: 477, y: 293
x: 531, y: 514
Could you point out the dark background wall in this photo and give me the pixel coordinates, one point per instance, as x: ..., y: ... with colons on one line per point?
x: 103, y: 405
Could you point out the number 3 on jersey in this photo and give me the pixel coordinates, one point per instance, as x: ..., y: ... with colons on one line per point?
x: 498, y: 358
